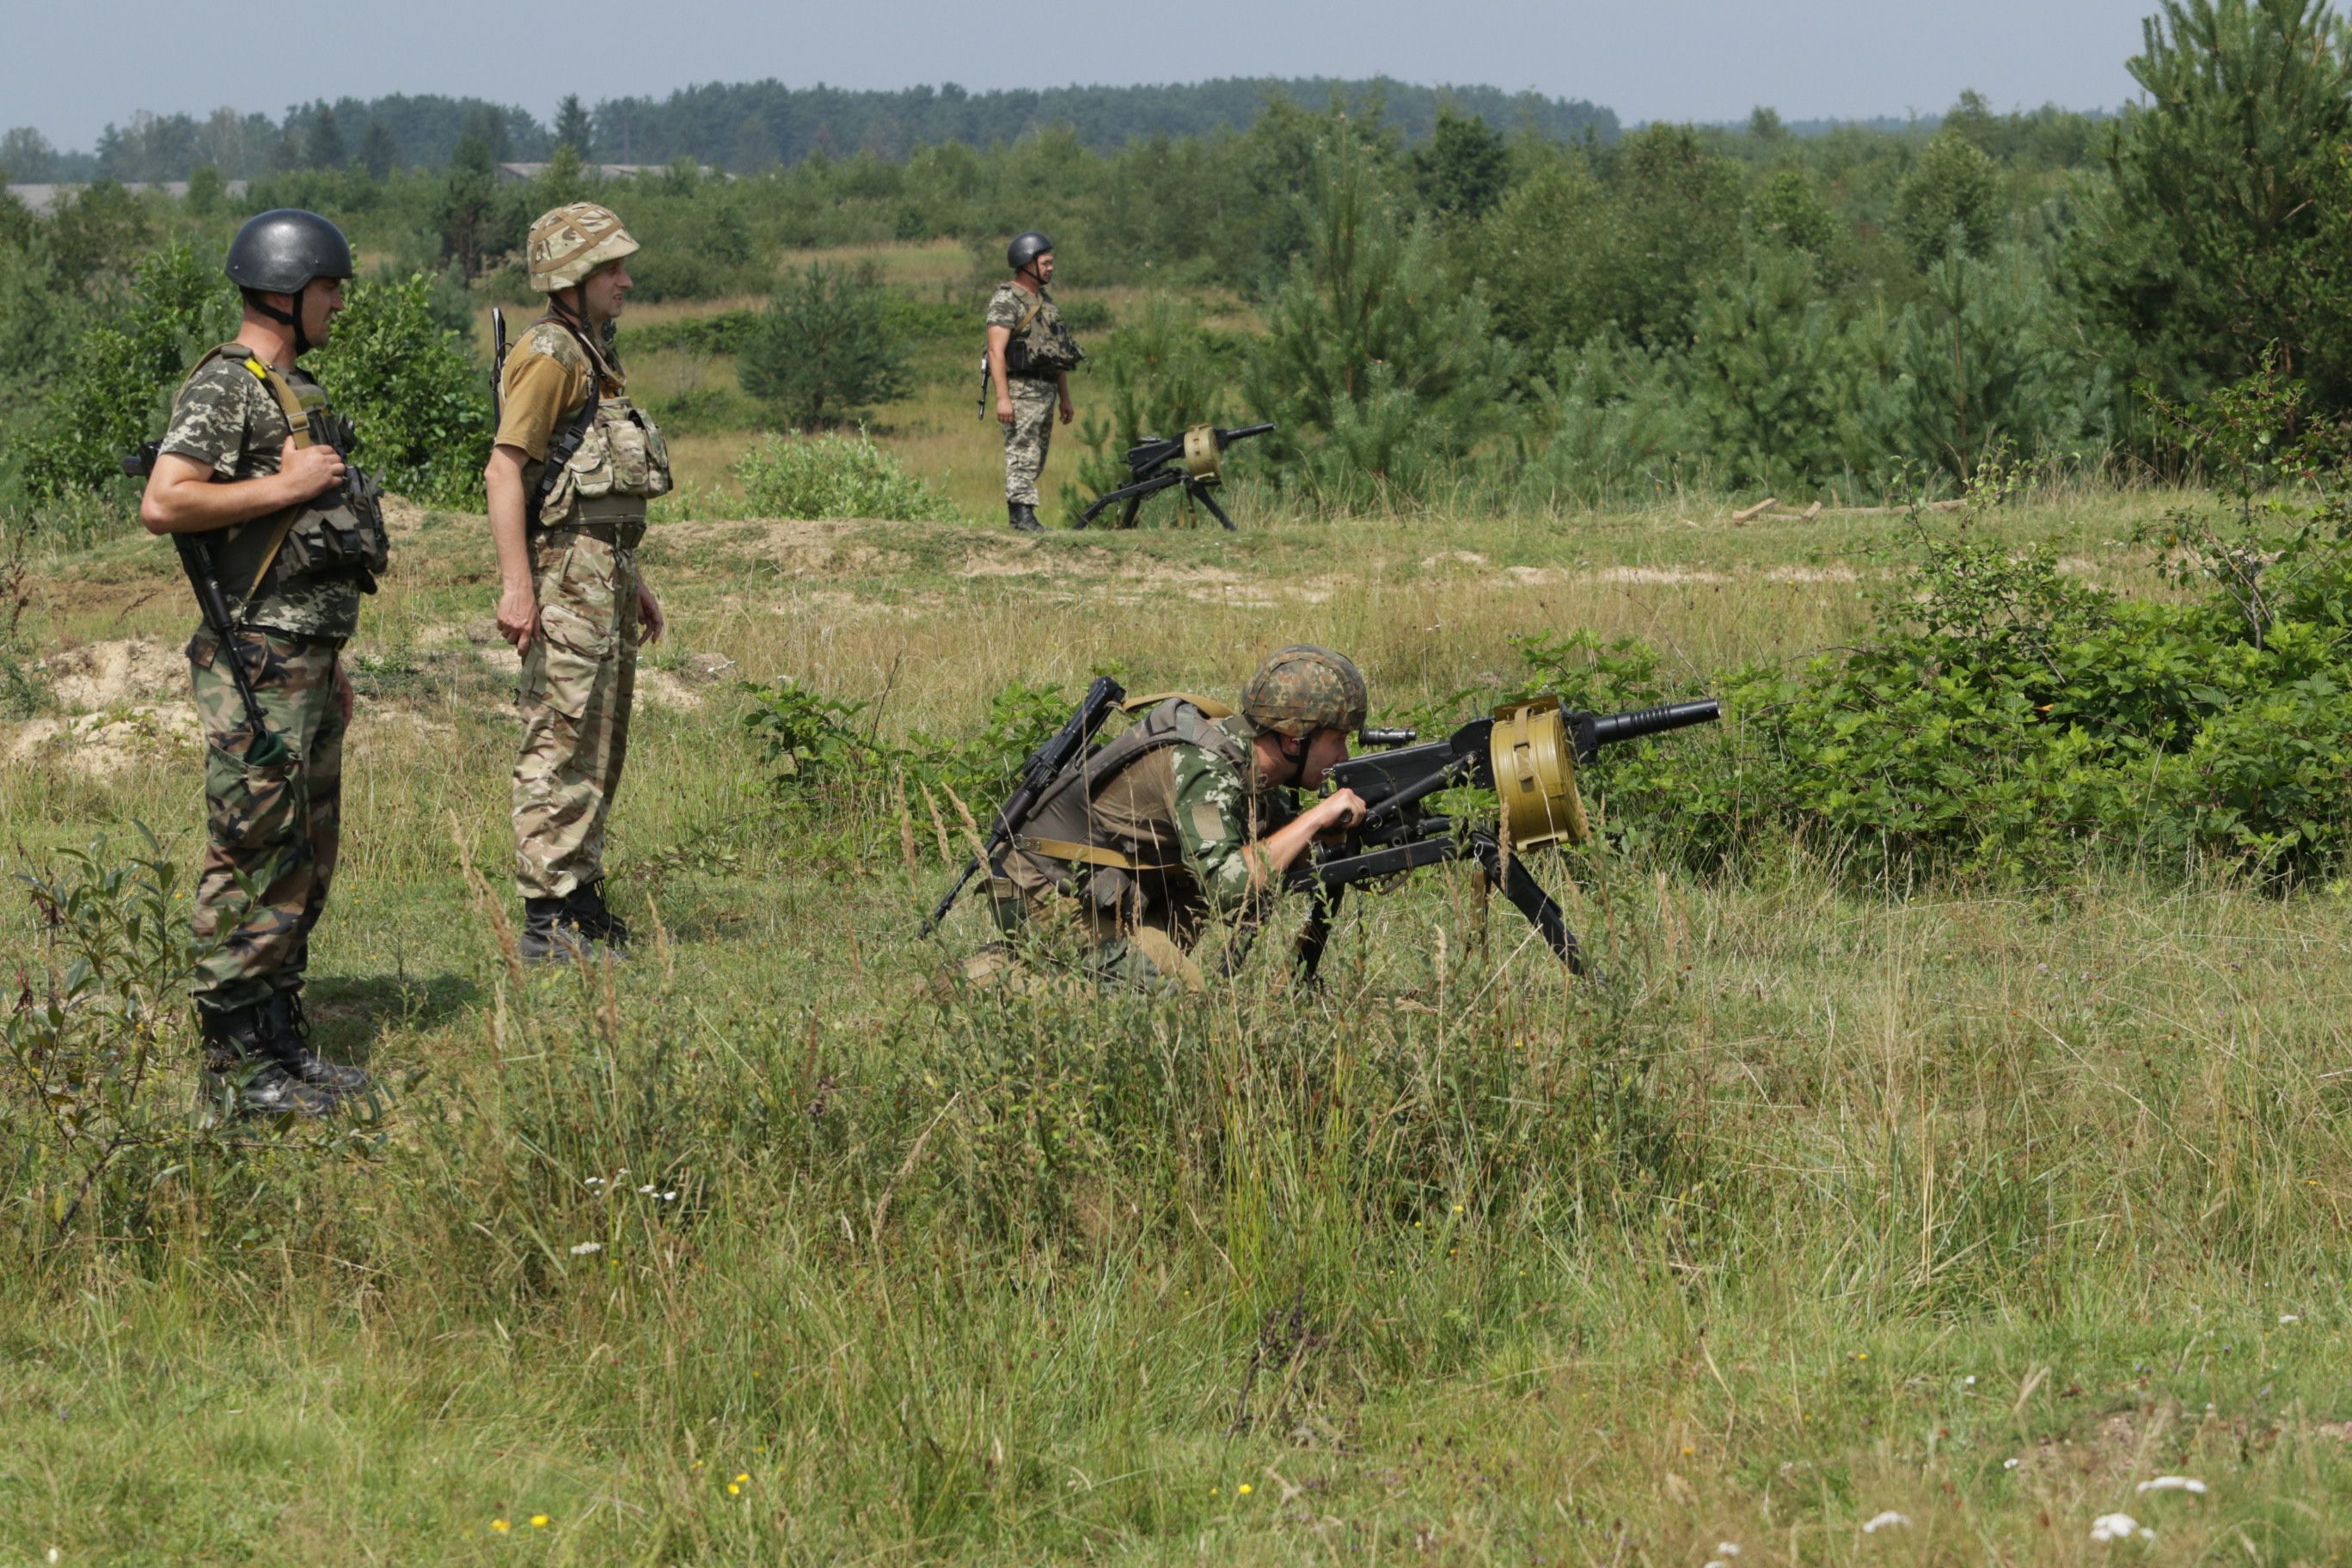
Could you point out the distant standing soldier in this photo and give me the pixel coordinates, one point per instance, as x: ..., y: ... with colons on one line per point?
x: 253, y: 462
x: 1030, y: 356
x: 573, y: 467
x: 1186, y: 813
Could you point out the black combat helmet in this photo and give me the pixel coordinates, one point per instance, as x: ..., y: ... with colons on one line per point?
x: 282, y: 252
x: 1024, y: 250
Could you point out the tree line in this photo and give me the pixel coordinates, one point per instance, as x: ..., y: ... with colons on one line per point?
x: 1490, y: 311
x: 743, y: 127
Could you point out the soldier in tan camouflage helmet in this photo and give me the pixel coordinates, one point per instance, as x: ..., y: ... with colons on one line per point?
x: 1186, y: 813
x: 251, y: 471
x: 568, y: 477
x: 1030, y: 356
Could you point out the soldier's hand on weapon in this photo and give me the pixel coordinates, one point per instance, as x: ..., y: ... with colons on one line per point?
x: 1336, y: 812
x: 519, y: 617
x: 310, y: 472
x: 1004, y: 411
x: 650, y: 622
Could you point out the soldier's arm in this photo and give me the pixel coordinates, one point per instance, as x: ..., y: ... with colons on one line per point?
x: 1213, y: 830
x: 517, y: 612
x: 997, y: 337
x: 185, y: 496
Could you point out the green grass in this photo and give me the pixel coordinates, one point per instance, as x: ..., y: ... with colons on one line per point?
x: 1824, y: 1205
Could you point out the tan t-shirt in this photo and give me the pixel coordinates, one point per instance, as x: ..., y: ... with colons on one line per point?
x: 546, y: 382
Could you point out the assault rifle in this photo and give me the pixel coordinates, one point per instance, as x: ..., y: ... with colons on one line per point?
x: 1528, y: 754
x: 1152, y: 462
x: 1044, y: 764
x: 268, y: 748
x: 498, y: 365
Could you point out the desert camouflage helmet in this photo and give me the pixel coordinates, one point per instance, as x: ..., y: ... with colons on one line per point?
x: 1302, y: 688
x: 574, y: 240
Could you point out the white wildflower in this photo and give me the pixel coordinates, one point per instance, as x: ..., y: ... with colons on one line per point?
x: 669, y: 1197
x: 2173, y: 1484
x: 647, y: 1191
x: 2290, y: 1316
x: 1727, y: 1549
x: 2008, y: 1464
x: 586, y: 1247
x: 2118, y: 1527
x: 1887, y: 1521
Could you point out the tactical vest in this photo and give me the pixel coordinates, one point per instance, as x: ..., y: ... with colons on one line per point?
x: 338, y: 534
x: 1064, y: 833
x: 1041, y: 346
x: 607, y: 462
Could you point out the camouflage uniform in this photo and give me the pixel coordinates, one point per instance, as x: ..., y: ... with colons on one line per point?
x: 1036, y: 397
x: 272, y: 829
x: 1181, y: 814
x: 579, y: 674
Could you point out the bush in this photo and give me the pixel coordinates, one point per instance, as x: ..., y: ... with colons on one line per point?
x: 821, y: 348
x: 123, y: 374
x: 834, y: 476
x: 417, y: 397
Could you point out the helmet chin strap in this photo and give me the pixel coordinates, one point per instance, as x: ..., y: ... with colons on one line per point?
x: 293, y: 318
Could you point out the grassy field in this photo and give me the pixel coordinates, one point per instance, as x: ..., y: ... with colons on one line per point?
x: 774, y: 1245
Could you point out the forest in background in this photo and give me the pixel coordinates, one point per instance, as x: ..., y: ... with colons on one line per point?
x: 1487, y: 314
x: 743, y: 127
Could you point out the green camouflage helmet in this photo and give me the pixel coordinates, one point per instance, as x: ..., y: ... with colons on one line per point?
x: 1302, y: 688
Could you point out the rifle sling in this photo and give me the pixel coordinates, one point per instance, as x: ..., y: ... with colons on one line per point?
x: 1092, y: 854
x: 298, y: 427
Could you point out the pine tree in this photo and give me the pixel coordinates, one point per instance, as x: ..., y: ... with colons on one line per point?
x: 378, y: 153
x: 326, y: 140
x: 2224, y: 228
x: 571, y: 125
x: 1380, y: 374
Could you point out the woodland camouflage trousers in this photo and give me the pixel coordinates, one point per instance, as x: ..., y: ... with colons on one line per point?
x: 271, y: 828
x: 579, y: 676
x: 1029, y: 437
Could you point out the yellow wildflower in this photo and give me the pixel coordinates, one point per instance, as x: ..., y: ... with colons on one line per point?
x: 500, y: 1525
x: 539, y: 1521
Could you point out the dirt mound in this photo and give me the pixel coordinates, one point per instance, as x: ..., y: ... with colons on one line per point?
x: 102, y: 745
x: 102, y: 674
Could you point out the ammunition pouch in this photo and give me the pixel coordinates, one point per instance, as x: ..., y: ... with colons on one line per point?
x: 611, y: 451
x: 1041, y: 347
x: 338, y: 535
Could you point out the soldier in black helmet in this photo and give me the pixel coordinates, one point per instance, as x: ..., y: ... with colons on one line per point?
x: 1030, y: 356
x: 254, y: 461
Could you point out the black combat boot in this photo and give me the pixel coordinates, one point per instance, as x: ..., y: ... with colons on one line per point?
x: 550, y: 936
x: 1025, y: 517
x: 290, y: 1045
x: 584, y: 907
x: 242, y: 1075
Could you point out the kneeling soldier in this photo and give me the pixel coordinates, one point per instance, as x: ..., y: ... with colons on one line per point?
x: 1185, y: 814
x: 252, y: 464
x: 574, y: 465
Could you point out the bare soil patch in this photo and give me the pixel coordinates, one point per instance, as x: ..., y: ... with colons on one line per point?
x: 102, y: 674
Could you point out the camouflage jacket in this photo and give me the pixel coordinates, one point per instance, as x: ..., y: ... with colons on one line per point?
x: 1217, y: 813
x: 1052, y: 351
x: 227, y: 420
x: 1181, y: 812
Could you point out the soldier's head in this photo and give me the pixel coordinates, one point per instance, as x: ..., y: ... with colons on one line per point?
x: 1304, y: 701
x: 1031, y: 257
x: 291, y: 266
x: 578, y: 259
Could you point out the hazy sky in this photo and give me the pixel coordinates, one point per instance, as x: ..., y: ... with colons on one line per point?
x: 69, y: 69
